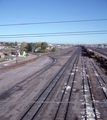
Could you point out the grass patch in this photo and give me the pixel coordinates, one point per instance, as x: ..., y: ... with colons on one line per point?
x: 2, y: 61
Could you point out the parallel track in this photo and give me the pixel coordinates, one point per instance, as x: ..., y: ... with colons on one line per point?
x: 97, y: 72
x: 99, y: 51
x: 99, y: 79
x: 73, y: 70
x: 35, y: 107
x: 89, y: 105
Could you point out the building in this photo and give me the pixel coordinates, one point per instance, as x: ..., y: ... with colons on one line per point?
x: 1, y: 55
x: 24, y: 54
x: 2, y: 47
x: 37, y: 49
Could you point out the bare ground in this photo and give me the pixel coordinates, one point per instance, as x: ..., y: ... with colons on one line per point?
x: 16, y: 99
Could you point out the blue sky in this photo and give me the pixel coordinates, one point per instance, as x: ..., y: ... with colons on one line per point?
x: 29, y: 11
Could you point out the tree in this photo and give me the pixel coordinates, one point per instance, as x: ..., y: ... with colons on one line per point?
x: 31, y: 47
x: 21, y: 49
x: 38, y: 44
x: 10, y: 51
x: 11, y: 44
x: 6, y: 44
x: 44, y: 45
x: 1, y: 43
x: 24, y: 44
x: 15, y: 43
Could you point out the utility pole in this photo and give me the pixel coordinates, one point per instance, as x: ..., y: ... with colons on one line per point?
x: 16, y: 57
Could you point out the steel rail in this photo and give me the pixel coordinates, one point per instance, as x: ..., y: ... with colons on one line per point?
x: 101, y: 52
x: 98, y: 79
x: 90, y: 91
x: 34, y: 108
x: 65, y: 87
x: 69, y: 99
x: 99, y: 74
x: 84, y: 94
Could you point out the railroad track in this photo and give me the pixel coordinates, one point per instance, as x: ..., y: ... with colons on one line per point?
x: 100, y: 80
x: 31, y: 113
x: 65, y: 98
x: 90, y: 111
x: 99, y: 51
x: 104, y: 50
x: 96, y: 71
x: 98, y: 89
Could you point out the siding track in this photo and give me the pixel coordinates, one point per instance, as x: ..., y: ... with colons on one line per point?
x: 89, y: 105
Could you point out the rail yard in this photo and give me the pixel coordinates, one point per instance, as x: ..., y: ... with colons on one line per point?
x: 65, y: 85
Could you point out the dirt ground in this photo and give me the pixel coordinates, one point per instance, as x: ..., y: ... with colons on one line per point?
x: 16, y: 98
x: 21, y: 86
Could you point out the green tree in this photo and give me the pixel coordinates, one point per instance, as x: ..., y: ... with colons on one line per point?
x: 31, y: 47
x: 6, y: 44
x: 12, y: 44
x: 44, y: 45
x: 21, y: 49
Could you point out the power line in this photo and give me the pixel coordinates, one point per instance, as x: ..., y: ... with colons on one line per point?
x: 54, y: 34
x: 55, y: 22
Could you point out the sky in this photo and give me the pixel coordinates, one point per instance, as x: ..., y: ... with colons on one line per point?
x: 32, y: 11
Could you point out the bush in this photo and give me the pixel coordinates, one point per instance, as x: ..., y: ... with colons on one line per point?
x: 53, y: 49
x: 27, y: 54
x: 43, y: 51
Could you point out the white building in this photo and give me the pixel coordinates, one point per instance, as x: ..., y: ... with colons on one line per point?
x: 24, y: 54
x: 2, y: 47
x: 37, y: 49
x: 1, y: 55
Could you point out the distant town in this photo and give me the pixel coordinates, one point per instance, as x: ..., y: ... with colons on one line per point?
x: 14, y: 50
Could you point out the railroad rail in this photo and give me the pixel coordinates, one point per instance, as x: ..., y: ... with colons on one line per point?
x: 89, y: 105
x: 36, y: 106
x: 99, y: 51
x: 99, y: 79
x: 97, y: 72
x: 69, y: 84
